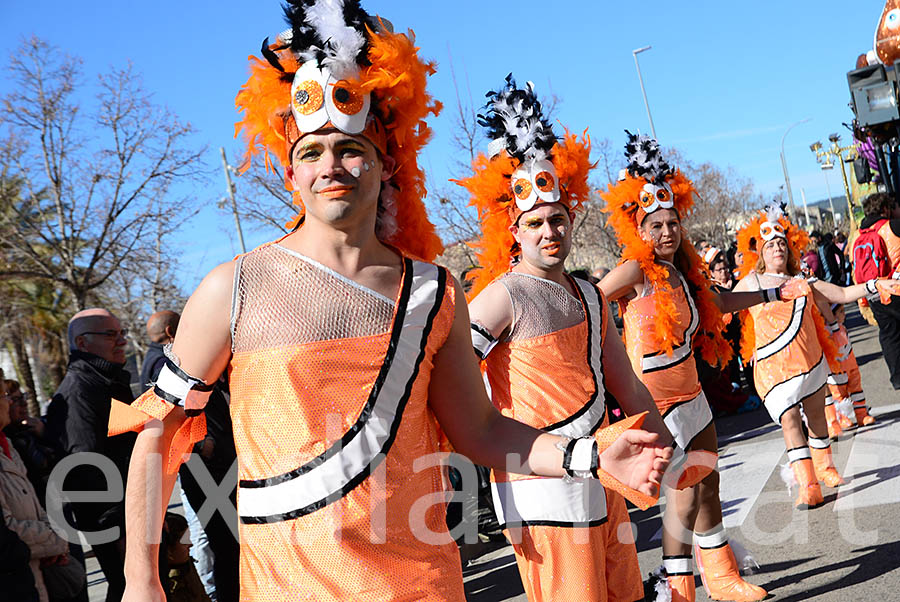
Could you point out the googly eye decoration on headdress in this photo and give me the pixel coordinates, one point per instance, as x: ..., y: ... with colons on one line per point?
x: 645, y: 161
x: 526, y: 166
x: 338, y: 67
x: 765, y: 226
x: 516, y: 125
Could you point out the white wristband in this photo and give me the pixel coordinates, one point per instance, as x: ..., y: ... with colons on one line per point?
x: 871, y: 286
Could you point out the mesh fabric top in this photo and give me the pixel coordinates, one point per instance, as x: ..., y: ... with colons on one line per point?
x: 539, y: 306
x: 282, y: 298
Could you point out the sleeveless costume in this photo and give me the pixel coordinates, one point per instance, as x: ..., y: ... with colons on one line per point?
x: 547, y: 370
x: 547, y: 373
x: 671, y: 379
x: 325, y: 376
x: 790, y: 364
x: 794, y: 355
x: 663, y: 328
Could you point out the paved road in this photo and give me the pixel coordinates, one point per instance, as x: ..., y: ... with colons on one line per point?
x: 849, y: 549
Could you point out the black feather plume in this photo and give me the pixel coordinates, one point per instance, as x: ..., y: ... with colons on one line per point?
x: 645, y: 160
x: 514, y: 115
x: 329, y: 31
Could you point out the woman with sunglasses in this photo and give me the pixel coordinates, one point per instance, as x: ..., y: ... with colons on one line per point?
x: 791, y: 346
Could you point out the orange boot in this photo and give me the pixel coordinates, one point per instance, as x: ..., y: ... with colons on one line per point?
x: 823, y: 463
x: 845, y: 421
x: 834, y: 427
x: 719, y: 570
x: 810, y: 494
x: 863, y: 418
x: 680, y: 577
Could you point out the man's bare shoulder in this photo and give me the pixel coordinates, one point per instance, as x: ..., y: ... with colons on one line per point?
x: 217, y: 285
x: 492, y: 308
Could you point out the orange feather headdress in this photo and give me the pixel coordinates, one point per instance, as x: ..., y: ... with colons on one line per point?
x: 750, y: 237
x: 766, y: 225
x: 647, y: 185
x: 338, y: 67
x: 526, y: 166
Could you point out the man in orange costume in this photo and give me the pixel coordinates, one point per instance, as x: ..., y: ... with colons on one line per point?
x: 549, y: 353
x: 345, y: 349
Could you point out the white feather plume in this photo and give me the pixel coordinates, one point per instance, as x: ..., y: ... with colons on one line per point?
x: 774, y: 213
x: 342, y: 42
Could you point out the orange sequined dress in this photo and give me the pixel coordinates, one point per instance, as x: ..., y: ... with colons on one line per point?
x: 329, y: 388
x: 671, y: 379
x: 789, y: 363
x: 547, y: 373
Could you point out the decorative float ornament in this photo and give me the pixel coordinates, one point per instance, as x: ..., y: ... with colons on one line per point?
x: 887, y: 36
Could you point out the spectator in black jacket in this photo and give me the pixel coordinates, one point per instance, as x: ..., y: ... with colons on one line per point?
x: 161, y: 329
x: 79, y: 414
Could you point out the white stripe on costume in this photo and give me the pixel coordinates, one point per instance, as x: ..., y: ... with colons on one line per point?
x: 329, y: 478
x: 559, y: 502
x: 837, y: 379
x: 659, y: 361
x: 785, y: 338
x: 789, y: 393
x: 687, y: 420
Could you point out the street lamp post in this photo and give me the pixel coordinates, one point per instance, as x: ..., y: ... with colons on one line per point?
x: 643, y: 91
x: 787, y: 178
x: 826, y: 158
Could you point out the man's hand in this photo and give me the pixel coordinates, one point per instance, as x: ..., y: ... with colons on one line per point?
x: 636, y: 460
x: 793, y: 289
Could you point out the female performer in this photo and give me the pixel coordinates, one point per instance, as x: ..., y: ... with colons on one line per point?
x: 791, y: 346
x: 669, y: 311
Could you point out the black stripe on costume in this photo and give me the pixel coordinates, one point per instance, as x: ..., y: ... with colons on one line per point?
x: 198, y: 385
x: 790, y: 324
x: 367, y: 411
x: 590, y: 330
x: 482, y: 331
x: 802, y: 399
x: 721, y: 545
x: 173, y: 399
x: 553, y: 523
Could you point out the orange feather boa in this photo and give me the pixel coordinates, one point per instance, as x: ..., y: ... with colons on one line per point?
x: 621, y: 205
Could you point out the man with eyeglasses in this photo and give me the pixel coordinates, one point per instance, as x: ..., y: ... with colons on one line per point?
x: 78, y: 417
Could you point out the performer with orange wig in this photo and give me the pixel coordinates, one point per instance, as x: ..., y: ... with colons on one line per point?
x: 791, y: 347
x: 671, y: 312
x: 548, y: 352
x: 345, y: 347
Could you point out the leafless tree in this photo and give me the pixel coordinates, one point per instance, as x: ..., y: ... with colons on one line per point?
x: 96, y: 177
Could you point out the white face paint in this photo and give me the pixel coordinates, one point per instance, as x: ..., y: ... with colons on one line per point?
x: 366, y: 166
x: 354, y: 171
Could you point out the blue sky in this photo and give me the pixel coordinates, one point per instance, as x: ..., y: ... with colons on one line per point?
x: 724, y: 79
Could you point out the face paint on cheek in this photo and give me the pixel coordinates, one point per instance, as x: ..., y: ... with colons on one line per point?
x: 354, y: 171
x: 366, y: 166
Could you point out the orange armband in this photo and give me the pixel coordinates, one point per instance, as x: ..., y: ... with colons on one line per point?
x: 124, y: 418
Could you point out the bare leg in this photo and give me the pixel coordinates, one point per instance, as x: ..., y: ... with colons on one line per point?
x: 814, y: 408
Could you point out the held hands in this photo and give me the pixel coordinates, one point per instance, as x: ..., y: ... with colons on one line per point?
x: 793, y: 289
x: 885, y: 287
x: 636, y: 460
